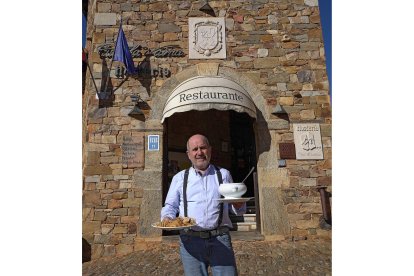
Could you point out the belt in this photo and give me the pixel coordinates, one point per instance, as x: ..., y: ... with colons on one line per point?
x: 205, y: 234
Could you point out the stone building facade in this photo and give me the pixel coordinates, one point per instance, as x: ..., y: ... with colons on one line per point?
x: 274, y: 51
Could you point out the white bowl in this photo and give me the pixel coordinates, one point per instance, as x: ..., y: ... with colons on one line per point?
x: 232, y: 190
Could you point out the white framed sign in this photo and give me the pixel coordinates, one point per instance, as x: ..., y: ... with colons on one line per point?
x: 308, y: 141
x: 153, y: 142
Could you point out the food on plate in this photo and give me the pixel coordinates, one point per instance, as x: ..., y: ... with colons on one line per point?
x: 177, y: 222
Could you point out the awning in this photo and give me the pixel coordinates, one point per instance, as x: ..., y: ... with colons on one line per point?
x: 212, y: 92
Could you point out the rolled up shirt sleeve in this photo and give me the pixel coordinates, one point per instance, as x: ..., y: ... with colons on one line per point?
x: 172, y: 201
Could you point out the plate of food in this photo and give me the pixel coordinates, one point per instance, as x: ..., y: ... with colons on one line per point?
x: 175, y: 224
x: 234, y: 199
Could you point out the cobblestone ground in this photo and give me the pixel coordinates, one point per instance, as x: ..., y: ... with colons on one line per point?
x: 309, y: 257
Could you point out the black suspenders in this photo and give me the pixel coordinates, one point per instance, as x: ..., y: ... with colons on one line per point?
x: 220, y: 178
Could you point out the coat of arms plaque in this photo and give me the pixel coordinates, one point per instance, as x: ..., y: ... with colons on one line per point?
x: 206, y: 38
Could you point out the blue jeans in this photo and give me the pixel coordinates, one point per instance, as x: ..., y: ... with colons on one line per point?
x: 198, y: 254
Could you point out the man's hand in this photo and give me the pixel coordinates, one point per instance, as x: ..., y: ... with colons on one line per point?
x: 165, y: 221
x: 237, y: 205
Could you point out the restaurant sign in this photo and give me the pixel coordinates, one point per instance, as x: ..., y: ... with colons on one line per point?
x: 203, y: 93
x: 308, y: 142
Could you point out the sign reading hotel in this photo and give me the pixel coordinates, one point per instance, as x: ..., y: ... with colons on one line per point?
x: 308, y: 142
x: 207, y: 38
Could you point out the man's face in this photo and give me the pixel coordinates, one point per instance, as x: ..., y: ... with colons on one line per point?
x: 199, y: 152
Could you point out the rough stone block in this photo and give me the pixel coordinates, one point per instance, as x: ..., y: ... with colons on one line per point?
x: 87, y: 214
x: 95, y: 170
x: 274, y: 216
x: 324, y: 180
x: 307, y: 114
x: 278, y: 78
x: 97, y: 251
x: 120, y: 229
x: 286, y: 100
x: 304, y: 76
x: 276, y: 52
x: 312, y: 3
x: 269, y: 62
x: 91, y: 227
x: 107, y: 228
x: 278, y: 124
x: 100, y: 215
x: 148, y: 179
x: 119, y: 212
x: 105, y: 19
x: 91, y: 198
x: 207, y: 69
x: 113, y: 204
x: 158, y: 7
x: 108, y: 139
x: 170, y: 37
x: 306, y: 224
x: 326, y: 130
x: 312, y: 208
x: 120, y: 195
x: 96, y: 147
x: 104, y: 7
x: 150, y: 212
x: 132, y: 202
x: 93, y: 178
x: 307, y: 182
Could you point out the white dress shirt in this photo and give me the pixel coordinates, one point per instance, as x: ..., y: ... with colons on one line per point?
x: 202, y: 192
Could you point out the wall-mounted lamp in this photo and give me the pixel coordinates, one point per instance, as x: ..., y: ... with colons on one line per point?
x: 136, y: 111
x: 279, y: 110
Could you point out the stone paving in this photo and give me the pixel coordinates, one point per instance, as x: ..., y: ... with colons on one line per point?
x: 305, y: 257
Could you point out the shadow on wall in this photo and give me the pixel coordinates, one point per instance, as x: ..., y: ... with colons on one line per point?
x: 263, y: 138
x: 86, y: 251
x: 109, y: 86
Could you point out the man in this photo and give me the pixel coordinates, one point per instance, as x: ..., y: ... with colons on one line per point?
x: 208, y: 243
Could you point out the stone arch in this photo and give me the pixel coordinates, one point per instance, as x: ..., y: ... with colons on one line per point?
x: 273, y: 216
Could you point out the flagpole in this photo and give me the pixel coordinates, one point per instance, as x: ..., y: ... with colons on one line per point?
x: 112, y: 61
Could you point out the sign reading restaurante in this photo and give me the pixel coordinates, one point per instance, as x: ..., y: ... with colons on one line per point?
x: 203, y: 93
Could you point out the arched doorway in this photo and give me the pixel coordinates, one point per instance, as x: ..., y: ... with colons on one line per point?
x: 267, y: 218
x: 232, y: 138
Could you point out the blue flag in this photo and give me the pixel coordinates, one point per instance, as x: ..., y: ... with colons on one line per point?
x: 122, y: 52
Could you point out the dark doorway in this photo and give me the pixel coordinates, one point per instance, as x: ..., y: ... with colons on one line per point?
x: 243, y: 149
x: 232, y: 139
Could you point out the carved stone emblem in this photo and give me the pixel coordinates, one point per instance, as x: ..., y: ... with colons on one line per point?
x: 207, y: 38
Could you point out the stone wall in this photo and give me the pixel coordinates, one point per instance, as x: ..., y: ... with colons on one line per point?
x: 275, y: 47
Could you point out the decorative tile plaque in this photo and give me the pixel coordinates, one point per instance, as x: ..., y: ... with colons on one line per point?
x: 206, y: 38
x: 287, y: 151
x: 308, y: 142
